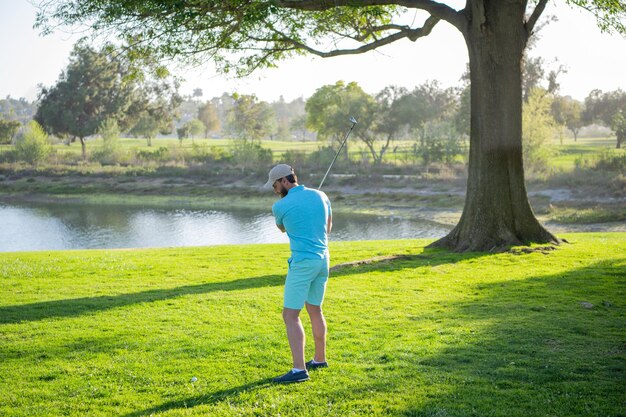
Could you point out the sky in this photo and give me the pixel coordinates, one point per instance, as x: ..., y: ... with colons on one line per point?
x: 593, y: 60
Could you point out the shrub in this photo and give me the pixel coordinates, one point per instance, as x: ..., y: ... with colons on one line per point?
x: 538, y: 127
x: 108, y: 153
x: 250, y: 154
x: 296, y: 159
x: 610, y: 160
x: 322, y: 157
x: 8, y: 130
x: 205, y: 153
x: 33, y: 146
x: 157, y: 155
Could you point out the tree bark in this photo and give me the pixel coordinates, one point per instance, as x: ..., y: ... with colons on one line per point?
x: 497, y: 213
x: 83, y: 148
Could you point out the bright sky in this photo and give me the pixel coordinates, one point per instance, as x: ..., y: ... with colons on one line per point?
x: 593, y: 60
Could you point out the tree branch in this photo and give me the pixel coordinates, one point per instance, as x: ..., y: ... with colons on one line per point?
x: 534, y: 17
x: 412, y: 34
x: 439, y: 10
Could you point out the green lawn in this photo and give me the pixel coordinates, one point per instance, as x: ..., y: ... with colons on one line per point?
x: 564, y: 157
x: 122, y: 332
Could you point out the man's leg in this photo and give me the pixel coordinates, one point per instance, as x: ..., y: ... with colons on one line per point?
x: 318, y: 324
x: 295, y: 334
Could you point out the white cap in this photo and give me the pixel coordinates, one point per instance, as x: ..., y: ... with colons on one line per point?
x: 276, y: 173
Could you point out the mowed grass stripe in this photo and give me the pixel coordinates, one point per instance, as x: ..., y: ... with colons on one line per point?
x: 122, y: 332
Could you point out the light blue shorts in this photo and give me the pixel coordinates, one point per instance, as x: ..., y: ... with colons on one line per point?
x: 306, y: 281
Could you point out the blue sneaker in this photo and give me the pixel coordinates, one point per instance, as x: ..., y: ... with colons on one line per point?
x: 292, y: 376
x: 310, y: 365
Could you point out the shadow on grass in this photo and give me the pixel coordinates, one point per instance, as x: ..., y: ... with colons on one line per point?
x: 78, y: 306
x: 211, y: 398
x: 554, y: 345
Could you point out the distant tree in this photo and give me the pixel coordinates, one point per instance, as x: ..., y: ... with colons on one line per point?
x: 92, y: 88
x: 249, y: 118
x: 538, y: 128
x: 441, y: 143
x: 195, y: 128
x: 298, y: 125
x: 393, y: 116
x: 108, y: 152
x: 197, y: 93
x: 8, y: 129
x: 154, y: 108
x: 618, y: 125
x: 606, y: 109
x: 182, y: 133
x: 224, y: 105
x: 20, y: 109
x: 428, y: 102
x: 328, y: 111
x: 34, y: 145
x: 146, y: 127
x: 207, y: 114
x: 462, y: 116
x: 286, y: 113
x: 568, y: 112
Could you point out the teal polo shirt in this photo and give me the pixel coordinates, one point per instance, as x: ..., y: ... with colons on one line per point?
x: 304, y: 214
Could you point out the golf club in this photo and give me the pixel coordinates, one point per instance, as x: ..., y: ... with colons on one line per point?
x: 353, y: 121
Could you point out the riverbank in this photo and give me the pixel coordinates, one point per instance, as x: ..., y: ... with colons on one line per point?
x: 563, y: 206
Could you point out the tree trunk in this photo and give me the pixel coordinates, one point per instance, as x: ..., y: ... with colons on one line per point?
x: 497, y: 213
x: 83, y: 148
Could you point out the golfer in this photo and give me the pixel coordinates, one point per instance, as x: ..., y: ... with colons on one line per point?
x: 305, y: 215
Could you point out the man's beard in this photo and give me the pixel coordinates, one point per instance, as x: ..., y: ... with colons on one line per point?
x: 283, y: 192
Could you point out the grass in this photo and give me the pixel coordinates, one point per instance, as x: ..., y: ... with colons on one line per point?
x: 122, y: 332
x: 564, y: 157
x: 588, y: 215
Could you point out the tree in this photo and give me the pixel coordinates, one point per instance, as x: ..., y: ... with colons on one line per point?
x: 250, y: 119
x: 568, y: 112
x: 108, y: 152
x: 146, y: 127
x: 299, y: 125
x: 428, y: 102
x: 606, y: 109
x: 195, y: 127
x: 497, y: 213
x: 207, y: 114
x: 154, y: 107
x: 329, y: 110
x: 20, y: 109
x: 92, y: 89
x: 538, y: 127
x: 8, y: 129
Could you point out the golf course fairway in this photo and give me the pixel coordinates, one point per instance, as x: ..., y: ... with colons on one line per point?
x: 432, y: 333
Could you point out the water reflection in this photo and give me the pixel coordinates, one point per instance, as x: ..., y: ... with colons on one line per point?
x: 74, y: 226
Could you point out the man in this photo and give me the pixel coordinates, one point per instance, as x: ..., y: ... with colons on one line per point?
x: 305, y: 215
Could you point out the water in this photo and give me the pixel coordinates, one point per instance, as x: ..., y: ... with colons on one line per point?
x: 51, y: 226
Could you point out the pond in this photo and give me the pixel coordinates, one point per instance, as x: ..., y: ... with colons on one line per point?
x: 51, y: 226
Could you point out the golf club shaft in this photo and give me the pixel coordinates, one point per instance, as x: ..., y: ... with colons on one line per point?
x: 336, y: 155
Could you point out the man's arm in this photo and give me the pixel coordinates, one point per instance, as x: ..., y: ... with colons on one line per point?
x: 329, y: 225
x: 281, y: 227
